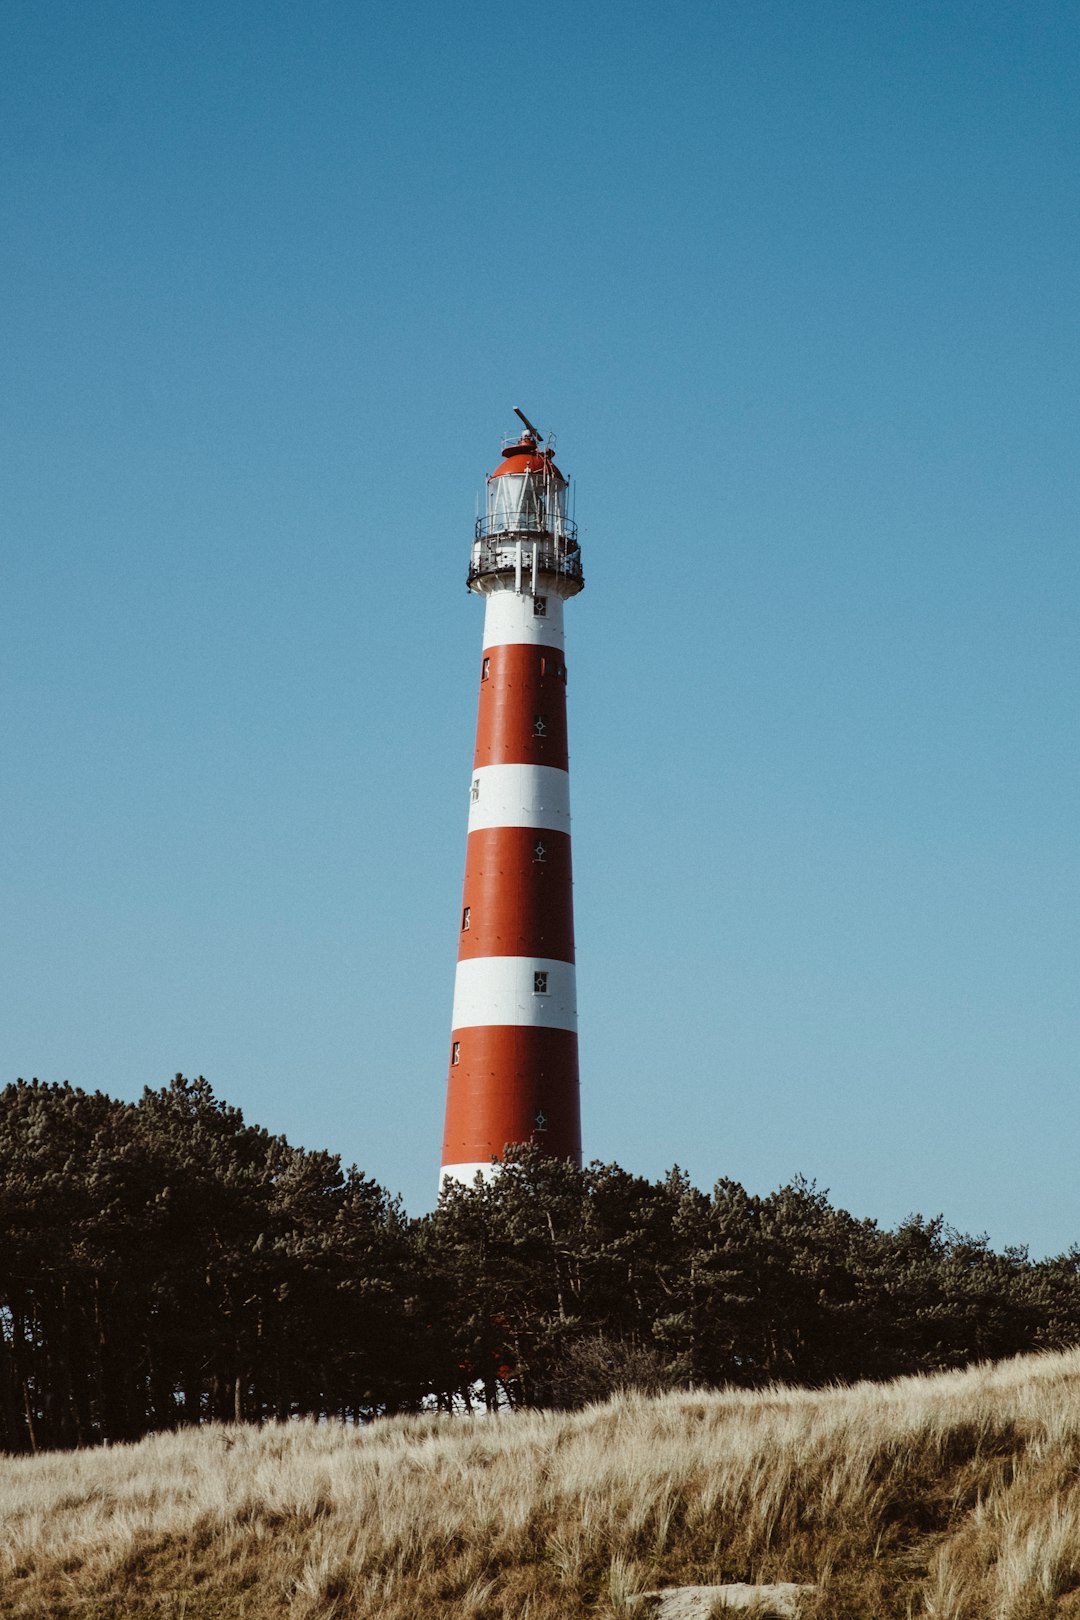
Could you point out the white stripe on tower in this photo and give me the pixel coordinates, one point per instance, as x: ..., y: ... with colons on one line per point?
x: 520, y: 796
x: 503, y: 990
x: 509, y: 620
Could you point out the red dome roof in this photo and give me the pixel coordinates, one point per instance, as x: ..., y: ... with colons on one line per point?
x: 526, y: 457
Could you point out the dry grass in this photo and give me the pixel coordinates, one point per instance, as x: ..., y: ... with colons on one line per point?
x: 955, y: 1497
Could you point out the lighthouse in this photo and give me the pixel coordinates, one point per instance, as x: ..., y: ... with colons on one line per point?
x: 513, y: 1062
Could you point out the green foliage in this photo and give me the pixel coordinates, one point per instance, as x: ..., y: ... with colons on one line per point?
x: 165, y: 1263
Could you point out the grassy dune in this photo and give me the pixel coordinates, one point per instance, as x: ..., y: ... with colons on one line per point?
x: 951, y: 1496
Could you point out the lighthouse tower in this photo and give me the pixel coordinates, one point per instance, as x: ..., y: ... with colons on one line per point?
x: 513, y: 1073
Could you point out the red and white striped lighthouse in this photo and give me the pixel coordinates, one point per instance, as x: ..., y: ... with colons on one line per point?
x: 513, y: 1073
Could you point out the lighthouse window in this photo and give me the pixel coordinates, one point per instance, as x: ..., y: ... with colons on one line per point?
x: 455, y: 1052
x: 540, y: 607
x: 475, y: 789
x: 539, y: 852
x: 540, y: 984
x: 466, y: 918
x: 485, y: 669
x: 539, y: 726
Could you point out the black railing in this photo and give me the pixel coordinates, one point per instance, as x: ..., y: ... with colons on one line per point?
x: 530, y: 524
x: 498, y: 554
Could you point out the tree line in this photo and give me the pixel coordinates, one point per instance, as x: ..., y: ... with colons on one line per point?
x: 165, y: 1263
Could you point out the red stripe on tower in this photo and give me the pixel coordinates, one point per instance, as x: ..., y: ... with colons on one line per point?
x: 513, y: 1072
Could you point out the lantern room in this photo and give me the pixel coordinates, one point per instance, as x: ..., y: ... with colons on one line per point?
x: 525, y: 530
x: 527, y: 493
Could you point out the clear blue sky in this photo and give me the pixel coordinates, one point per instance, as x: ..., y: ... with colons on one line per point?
x: 796, y: 284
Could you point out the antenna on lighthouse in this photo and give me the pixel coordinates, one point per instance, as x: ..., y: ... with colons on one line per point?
x: 518, y: 412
